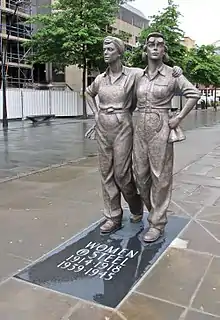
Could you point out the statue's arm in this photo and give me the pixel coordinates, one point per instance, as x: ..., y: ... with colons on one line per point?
x: 91, y: 93
x: 189, y: 91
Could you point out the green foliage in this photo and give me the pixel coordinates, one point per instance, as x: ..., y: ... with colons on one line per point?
x: 72, y: 32
x: 166, y: 22
x: 202, y: 65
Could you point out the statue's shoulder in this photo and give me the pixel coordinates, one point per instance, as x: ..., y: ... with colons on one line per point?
x: 136, y: 72
x: 168, y: 69
x: 99, y: 77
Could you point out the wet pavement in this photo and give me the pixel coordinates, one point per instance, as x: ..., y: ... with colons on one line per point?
x: 47, y: 210
x: 24, y: 148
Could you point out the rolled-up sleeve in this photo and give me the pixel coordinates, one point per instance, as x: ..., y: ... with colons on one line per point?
x: 93, y: 89
x: 187, y: 88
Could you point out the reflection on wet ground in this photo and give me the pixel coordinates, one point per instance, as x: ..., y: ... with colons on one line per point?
x: 24, y: 148
x: 98, y: 268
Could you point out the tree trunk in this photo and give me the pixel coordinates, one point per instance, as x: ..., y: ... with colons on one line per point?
x: 84, y: 84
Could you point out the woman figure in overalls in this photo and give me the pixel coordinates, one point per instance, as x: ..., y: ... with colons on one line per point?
x: 156, y: 131
x: 114, y: 134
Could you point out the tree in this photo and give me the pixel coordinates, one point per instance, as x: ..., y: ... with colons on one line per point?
x: 72, y: 34
x: 167, y: 23
x: 202, y: 66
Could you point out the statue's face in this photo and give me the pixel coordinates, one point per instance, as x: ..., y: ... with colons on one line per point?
x: 155, y: 48
x: 111, y: 53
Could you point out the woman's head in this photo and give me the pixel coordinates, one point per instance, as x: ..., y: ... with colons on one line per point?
x: 113, y: 49
x: 155, y: 47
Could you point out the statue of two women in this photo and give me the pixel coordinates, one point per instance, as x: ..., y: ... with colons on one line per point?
x: 120, y: 91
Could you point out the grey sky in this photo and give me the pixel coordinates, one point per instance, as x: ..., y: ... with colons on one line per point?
x: 200, y: 19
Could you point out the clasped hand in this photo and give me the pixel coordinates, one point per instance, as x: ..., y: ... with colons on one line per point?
x: 174, y: 122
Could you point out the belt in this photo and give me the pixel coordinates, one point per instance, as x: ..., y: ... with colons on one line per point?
x: 112, y: 110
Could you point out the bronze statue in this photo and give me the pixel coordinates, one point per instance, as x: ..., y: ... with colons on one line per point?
x: 114, y: 133
x: 156, y: 130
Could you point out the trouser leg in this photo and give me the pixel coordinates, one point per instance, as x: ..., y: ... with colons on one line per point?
x: 110, y: 190
x: 122, y: 162
x: 161, y: 162
x: 141, y: 163
x: 161, y: 190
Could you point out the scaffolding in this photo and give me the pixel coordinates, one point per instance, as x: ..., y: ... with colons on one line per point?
x: 19, y: 71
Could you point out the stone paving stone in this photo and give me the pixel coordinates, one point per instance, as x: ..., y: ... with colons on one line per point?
x: 60, y: 174
x: 200, y: 240
x: 211, y: 214
x: 22, y: 301
x: 10, y: 264
x: 88, y: 162
x: 193, y: 315
x: 85, y: 311
x: 183, y: 190
x: 212, y: 228
x: 198, y: 169
x: 183, y: 208
x: 217, y: 203
x: 30, y: 234
x: 214, y: 173
x: 204, y: 181
x: 140, y: 307
x: 176, y: 276
x: 203, y: 195
x: 208, y: 296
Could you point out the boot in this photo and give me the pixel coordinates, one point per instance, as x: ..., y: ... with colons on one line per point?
x: 152, y: 235
x: 111, y: 225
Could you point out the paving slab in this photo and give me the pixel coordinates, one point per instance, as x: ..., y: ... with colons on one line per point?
x: 176, y: 277
x: 140, y: 307
x: 208, y: 296
x: 199, y: 239
x: 22, y: 301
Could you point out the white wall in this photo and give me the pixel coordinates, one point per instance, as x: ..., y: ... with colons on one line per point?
x: 26, y: 102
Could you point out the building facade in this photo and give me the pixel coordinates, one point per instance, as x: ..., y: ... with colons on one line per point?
x: 216, y: 44
x: 19, y: 71
x: 188, y: 42
x: 14, y: 29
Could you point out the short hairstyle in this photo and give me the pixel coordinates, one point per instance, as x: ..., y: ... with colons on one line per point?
x: 117, y: 42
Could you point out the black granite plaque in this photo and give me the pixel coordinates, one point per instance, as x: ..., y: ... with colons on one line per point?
x: 101, y: 268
